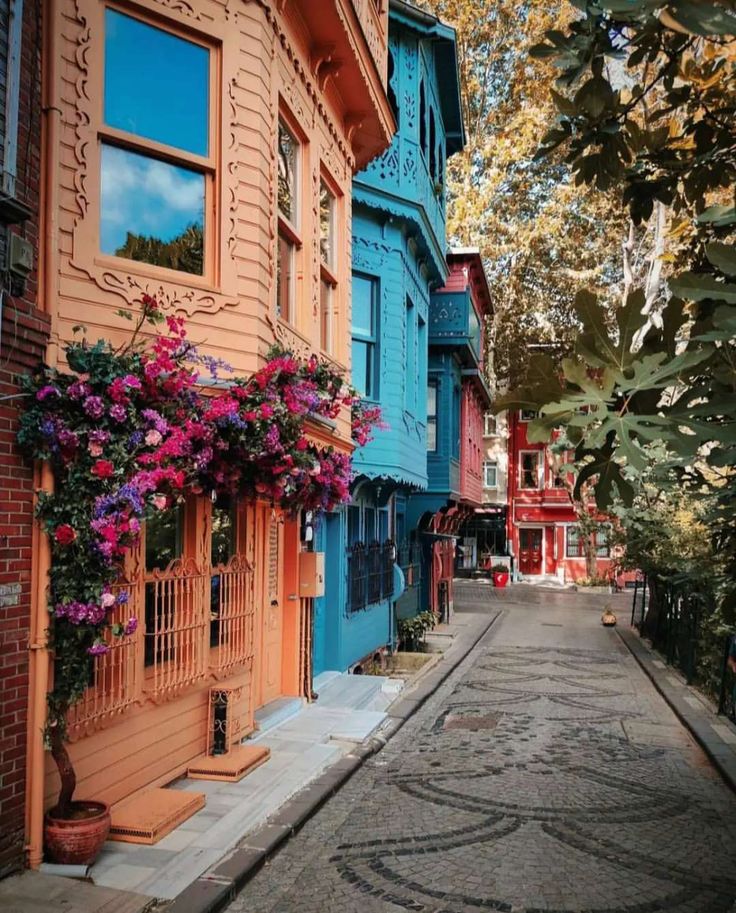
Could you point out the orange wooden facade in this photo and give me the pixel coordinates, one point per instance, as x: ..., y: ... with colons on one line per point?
x: 273, y: 66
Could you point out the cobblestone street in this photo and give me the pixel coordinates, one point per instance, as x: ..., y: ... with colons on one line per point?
x: 546, y: 774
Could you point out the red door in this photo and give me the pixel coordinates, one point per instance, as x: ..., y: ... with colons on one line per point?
x: 530, y: 551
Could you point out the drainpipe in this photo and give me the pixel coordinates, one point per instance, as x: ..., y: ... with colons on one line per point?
x: 39, y: 659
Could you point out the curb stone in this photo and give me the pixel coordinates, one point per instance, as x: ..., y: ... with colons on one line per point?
x: 213, y: 891
x: 720, y: 754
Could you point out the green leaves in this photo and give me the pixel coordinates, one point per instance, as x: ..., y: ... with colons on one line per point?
x: 594, y: 97
x: 722, y: 256
x: 700, y: 287
x: 700, y: 18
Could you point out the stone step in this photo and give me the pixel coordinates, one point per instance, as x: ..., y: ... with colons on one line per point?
x: 277, y: 712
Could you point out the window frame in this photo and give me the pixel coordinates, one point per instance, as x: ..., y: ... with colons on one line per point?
x: 433, y: 418
x: 537, y: 455
x: 372, y: 340
x: 457, y: 412
x: 208, y: 166
x: 289, y: 230
x: 410, y: 355
x: 577, y: 545
x: 329, y: 270
x: 528, y: 415
x: 487, y: 464
x: 603, y: 550
x: 489, y: 416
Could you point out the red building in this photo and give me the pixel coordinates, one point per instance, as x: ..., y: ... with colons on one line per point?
x: 542, y: 526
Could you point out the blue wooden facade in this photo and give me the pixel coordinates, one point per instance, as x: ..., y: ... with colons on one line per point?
x: 457, y: 397
x: 398, y: 258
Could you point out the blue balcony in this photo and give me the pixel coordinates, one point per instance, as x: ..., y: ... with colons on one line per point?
x: 454, y: 324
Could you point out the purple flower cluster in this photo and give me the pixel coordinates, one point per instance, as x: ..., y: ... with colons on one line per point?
x: 80, y: 612
x: 94, y: 406
x: 156, y: 420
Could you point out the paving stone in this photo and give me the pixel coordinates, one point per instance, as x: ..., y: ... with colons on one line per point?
x: 517, y: 788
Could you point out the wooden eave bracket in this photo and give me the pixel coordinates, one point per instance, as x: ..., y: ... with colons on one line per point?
x: 353, y: 123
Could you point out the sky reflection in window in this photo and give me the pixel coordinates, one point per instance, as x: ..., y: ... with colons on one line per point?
x: 156, y: 84
x: 151, y: 211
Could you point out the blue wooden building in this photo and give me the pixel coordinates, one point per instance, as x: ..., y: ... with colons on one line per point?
x: 457, y: 397
x: 399, y: 211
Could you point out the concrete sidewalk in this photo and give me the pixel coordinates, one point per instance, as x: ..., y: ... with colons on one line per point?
x: 32, y: 892
x: 716, y: 734
x: 304, y: 740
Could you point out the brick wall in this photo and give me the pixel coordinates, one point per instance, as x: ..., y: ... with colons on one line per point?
x: 24, y: 331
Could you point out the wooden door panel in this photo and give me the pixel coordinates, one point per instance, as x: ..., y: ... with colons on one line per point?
x: 530, y: 551
x: 273, y: 613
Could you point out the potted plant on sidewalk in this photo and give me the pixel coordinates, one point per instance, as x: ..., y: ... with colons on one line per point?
x: 500, y: 575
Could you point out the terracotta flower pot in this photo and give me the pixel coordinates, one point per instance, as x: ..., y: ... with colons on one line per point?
x: 500, y: 579
x: 78, y: 839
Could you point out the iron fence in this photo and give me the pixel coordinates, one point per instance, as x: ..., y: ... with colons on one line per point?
x: 727, y: 695
x: 676, y: 633
x: 370, y: 574
x: 639, y: 602
x: 674, y: 615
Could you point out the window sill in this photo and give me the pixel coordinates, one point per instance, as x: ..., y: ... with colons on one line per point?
x: 160, y: 273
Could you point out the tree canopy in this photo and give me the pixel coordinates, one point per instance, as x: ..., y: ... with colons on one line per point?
x: 539, y: 235
x: 664, y: 133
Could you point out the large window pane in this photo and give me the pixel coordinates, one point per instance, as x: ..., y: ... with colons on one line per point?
x: 156, y: 84
x: 363, y: 317
x: 151, y: 211
x: 432, y: 415
x: 410, y: 357
x: 326, y: 225
x: 287, y: 188
x: 529, y: 470
x: 164, y: 538
x: 325, y: 309
x: 363, y: 367
x: 284, y: 277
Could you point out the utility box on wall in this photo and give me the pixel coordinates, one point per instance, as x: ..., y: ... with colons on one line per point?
x: 311, y: 574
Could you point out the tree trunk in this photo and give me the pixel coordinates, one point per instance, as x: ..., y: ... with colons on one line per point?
x: 66, y: 773
x: 651, y: 621
x: 591, y: 558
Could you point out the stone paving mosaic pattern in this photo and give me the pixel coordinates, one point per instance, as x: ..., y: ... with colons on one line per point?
x: 518, y: 788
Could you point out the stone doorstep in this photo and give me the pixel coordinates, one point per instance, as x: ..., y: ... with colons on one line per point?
x: 214, y: 890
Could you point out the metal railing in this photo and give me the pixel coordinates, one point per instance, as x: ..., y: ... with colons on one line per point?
x: 115, y: 681
x: 176, y: 627
x: 232, y: 614
x: 676, y: 633
x: 639, y: 602
x: 727, y: 694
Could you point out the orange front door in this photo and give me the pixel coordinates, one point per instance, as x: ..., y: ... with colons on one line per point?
x: 273, y: 610
x: 530, y: 551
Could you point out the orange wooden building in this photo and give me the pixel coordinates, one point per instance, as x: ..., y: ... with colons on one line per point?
x: 201, y: 151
